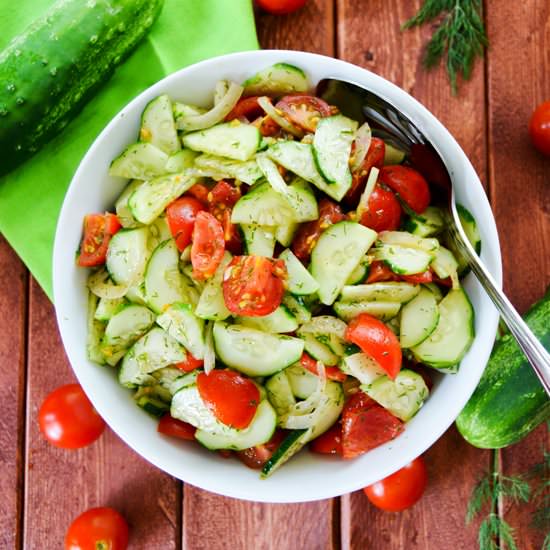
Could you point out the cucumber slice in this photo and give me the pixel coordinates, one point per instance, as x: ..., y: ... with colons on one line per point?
x: 445, y: 265
x: 327, y: 330
x: 280, y: 393
x: 296, y: 306
x: 233, y: 140
x: 141, y: 161
x: 276, y: 80
x: 160, y: 232
x: 94, y: 333
x: 393, y: 155
x: 211, y: 304
x: 419, y: 319
x: 181, y: 161
x: 280, y: 321
x: 259, y: 239
x: 337, y: 253
x: 403, y: 260
x: 453, y: 336
x: 319, y: 350
x: 300, y: 282
x: 291, y: 445
x: 123, y: 212
x: 381, y: 310
x: 173, y: 379
x: 362, y: 367
x: 179, y: 321
x: 127, y: 255
x: 360, y: 273
x: 302, y: 382
x: 380, y: 292
x: 183, y: 110
x: 469, y: 225
x: 427, y: 224
x: 254, y: 352
x: 332, y: 148
x: 107, y: 307
x: 285, y: 233
x: 404, y: 239
x: 403, y: 396
x: 220, y: 168
x: 158, y: 127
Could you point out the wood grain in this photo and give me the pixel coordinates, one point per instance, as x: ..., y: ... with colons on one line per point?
x: 60, y: 484
x: 13, y: 315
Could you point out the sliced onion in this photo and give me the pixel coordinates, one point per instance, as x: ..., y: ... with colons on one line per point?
x: 220, y: 90
x: 364, y: 200
x: 209, y: 354
x: 265, y: 103
x: 216, y: 114
x: 363, y: 140
x: 102, y: 286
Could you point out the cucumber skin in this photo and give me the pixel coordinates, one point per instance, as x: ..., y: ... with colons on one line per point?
x: 56, y: 65
x: 509, y: 401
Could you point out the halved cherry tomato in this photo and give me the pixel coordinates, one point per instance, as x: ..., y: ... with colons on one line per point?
x: 409, y: 184
x: 181, y: 215
x: 308, y: 234
x: 221, y: 200
x: 200, y: 192
x: 377, y: 340
x: 539, y: 127
x: 375, y: 157
x: 330, y: 442
x: 419, y: 278
x: 208, y: 245
x: 280, y: 7
x: 232, y: 397
x: 247, y: 107
x: 68, y: 419
x: 168, y: 425
x: 256, y: 457
x: 366, y: 425
x: 400, y: 490
x: 304, y: 110
x: 268, y: 127
x: 253, y: 285
x: 383, y: 210
x: 380, y: 272
x: 191, y: 363
x: 333, y: 373
x: 98, y: 230
x: 98, y: 528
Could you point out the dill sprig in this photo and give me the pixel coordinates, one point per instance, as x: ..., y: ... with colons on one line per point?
x: 460, y: 34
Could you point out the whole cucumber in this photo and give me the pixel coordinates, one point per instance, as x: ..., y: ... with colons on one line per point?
x: 53, y: 68
x: 509, y: 401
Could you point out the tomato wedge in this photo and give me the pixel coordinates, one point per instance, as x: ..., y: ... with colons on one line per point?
x: 330, y: 442
x: 190, y: 364
x: 98, y: 230
x: 366, y: 425
x: 304, y: 110
x: 377, y: 340
x: 247, y: 107
x: 418, y: 278
x: 173, y: 427
x: 200, y: 192
x: 409, y: 184
x: 380, y: 272
x: 181, y: 215
x: 232, y: 397
x: 221, y: 200
x: 383, y: 210
x: 208, y: 245
x: 256, y: 457
x: 333, y: 373
x: 253, y: 285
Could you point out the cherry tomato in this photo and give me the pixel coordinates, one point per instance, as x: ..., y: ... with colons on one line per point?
x: 268, y: 127
x: 383, y: 210
x: 200, y: 192
x: 375, y: 157
x: 181, y: 215
x: 208, y: 245
x: 333, y: 373
x: 253, y: 285
x: 330, y: 442
x: 308, y: 234
x: 377, y: 340
x: 366, y: 425
x: 232, y: 397
x: 98, y: 230
x: 419, y: 278
x: 247, y: 107
x: 379, y: 272
x: 539, y: 128
x: 67, y: 418
x: 280, y: 7
x: 256, y: 457
x: 98, y: 528
x: 168, y: 425
x: 221, y: 200
x: 409, y: 184
x: 191, y: 363
x: 304, y: 110
x: 400, y: 490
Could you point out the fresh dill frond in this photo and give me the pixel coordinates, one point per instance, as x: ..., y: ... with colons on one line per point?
x: 481, y: 495
x: 514, y: 488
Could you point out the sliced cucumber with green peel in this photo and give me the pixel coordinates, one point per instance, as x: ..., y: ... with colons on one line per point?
x: 403, y: 260
x: 327, y: 330
x: 362, y: 367
x: 319, y: 350
x: 280, y: 321
x: 107, y: 307
x: 380, y: 292
x: 280, y: 393
x: 262, y: 206
x: 427, y: 224
x: 127, y: 255
x: 285, y: 233
x: 179, y: 321
x: 298, y: 308
x: 141, y: 161
x: 279, y: 79
x: 259, y: 239
x: 291, y: 445
x: 95, y: 331
x: 158, y: 126
x: 445, y: 265
x: 404, y: 239
x: 211, y: 303
x: 180, y: 161
x: 300, y: 282
x: 381, y: 310
x: 419, y: 319
x: 302, y: 382
x: 219, y: 168
x: 123, y: 212
x: 360, y: 273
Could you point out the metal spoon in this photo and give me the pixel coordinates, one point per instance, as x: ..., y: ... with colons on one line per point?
x: 391, y: 124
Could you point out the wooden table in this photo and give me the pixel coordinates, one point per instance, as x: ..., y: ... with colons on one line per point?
x: 43, y: 488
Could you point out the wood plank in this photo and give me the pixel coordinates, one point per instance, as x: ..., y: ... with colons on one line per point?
x: 61, y: 484
x: 13, y: 313
x: 521, y: 195
x: 255, y: 525
x: 369, y: 35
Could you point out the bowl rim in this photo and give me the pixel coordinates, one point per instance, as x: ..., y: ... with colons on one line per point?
x: 418, y: 114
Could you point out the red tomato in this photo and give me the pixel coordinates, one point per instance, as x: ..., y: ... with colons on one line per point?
x: 280, y: 7
x: 304, y: 110
x: 191, y: 363
x: 366, y: 425
x: 253, y: 285
x: 409, y: 184
x: 256, y: 457
x: 168, y: 425
x: 375, y: 157
x: 200, y: 192
x: 418, y: 278
x: 377, y: 340
x: 333, y: 373
x: 400, y: 490
x: 539, y: 128
x: 268, y: 127
x: 98, y: 528
x: 383, y: 210
x: 232, y: 397
x: 67, y: 418
x: 247, y: 107
x: 308, y: 234
x: 330, y: 442
x: 98, y: 230
x: 221, y: 200
x: 379, y: 271
x: 208, y: 245
x: 181, y: 215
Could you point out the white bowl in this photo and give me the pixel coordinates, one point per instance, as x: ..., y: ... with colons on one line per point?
x: 307, y: 476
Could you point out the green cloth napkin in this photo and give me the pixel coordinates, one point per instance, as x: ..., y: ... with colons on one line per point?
x: 187, y: 31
